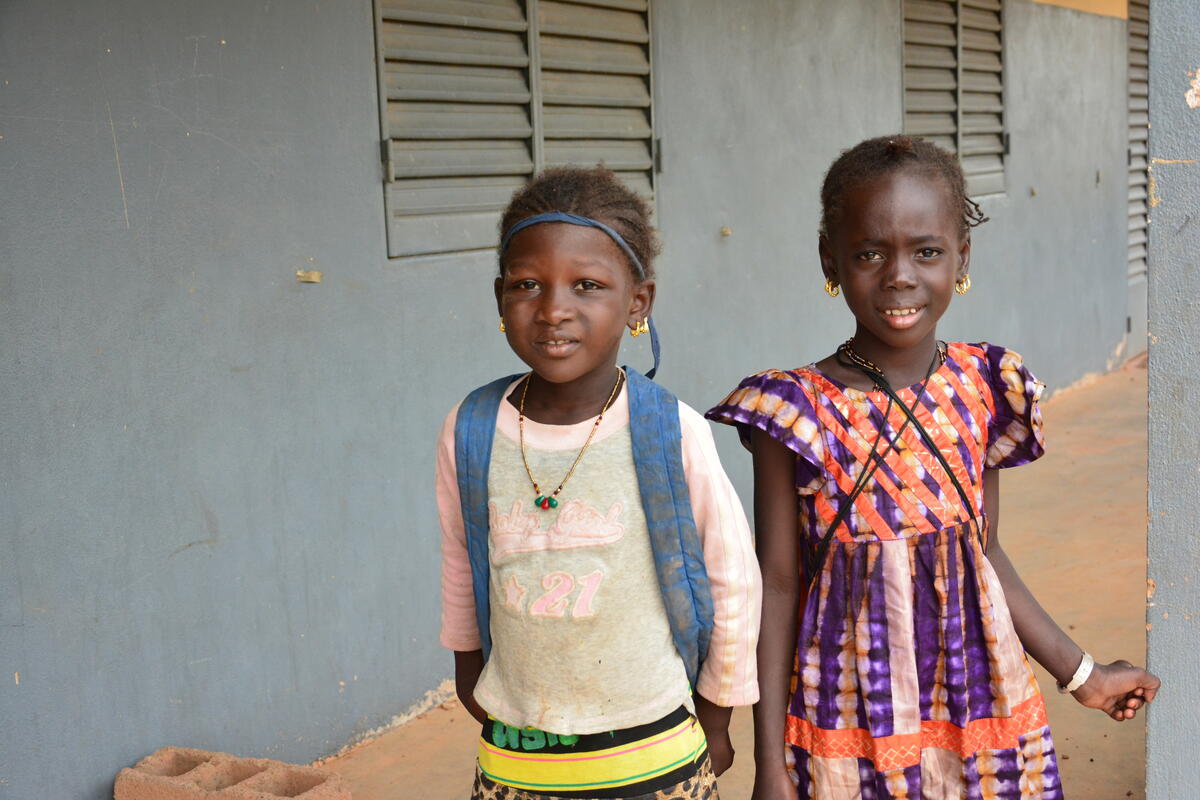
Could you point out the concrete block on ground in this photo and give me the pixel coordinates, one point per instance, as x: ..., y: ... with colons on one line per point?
x: 177, y: 773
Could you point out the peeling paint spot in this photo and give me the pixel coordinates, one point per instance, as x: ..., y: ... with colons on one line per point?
x: 1192, y: 96
x: 17, y: 678
x: 1151, y: 587
x: 1172, y: 161
x: 1152, y: 187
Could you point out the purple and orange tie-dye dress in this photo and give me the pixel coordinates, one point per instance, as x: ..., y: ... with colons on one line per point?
x: 910, y: 679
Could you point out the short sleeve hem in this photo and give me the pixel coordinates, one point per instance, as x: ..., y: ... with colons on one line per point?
x: 1014, y: 434
x: 776, y: 402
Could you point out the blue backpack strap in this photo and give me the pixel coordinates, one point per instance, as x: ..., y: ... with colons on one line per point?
x: 474, y: 430
x: 678, y: 554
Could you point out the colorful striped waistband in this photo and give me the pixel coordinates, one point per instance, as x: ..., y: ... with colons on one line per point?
x: 631, y: 761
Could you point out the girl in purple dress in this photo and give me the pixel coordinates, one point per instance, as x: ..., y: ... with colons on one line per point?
x: 892, y: 659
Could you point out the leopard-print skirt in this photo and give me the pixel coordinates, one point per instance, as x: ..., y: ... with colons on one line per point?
x: 701, y: 786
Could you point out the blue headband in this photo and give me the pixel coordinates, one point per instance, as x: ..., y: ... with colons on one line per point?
x: 575, y: 219
x: 588, y: 222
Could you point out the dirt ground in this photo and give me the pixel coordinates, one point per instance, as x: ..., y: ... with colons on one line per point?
x: 1074, y: 523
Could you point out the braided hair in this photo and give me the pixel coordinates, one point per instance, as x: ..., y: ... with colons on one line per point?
x: 872, y: 158
x: 597, y: 193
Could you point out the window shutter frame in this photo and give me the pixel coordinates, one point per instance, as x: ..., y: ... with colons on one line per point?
x: 953, y: 78
x: 459, y: 133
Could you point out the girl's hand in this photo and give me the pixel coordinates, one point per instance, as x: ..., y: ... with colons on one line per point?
x: 714, y: 720
x: 720, y: 752
x: 773, y: 784
x: 1118, y: 689
x: 474, y: 709
x: 468, y: 664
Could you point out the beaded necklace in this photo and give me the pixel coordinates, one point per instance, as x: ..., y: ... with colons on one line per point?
x: 846, y: 349
x: 546, y: 502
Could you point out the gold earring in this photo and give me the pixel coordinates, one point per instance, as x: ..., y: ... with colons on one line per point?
x: 831, y: 288
x: 502, y: 324
x: 640, y: 328
x: 962, y: 285
x: 645, y: 326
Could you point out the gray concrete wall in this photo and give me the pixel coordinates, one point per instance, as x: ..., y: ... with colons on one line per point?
x: 754, y: 105
x: 217, y: 526
x: 217, y: 522
x: 1174, y: 285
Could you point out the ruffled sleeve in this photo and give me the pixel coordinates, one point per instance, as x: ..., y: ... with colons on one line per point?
x: 1015, y: 431
x: 776, y: 403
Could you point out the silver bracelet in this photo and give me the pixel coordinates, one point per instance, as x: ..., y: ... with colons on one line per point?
x: 1081, y: 674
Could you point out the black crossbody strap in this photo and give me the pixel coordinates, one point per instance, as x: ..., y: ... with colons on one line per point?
x: 815, y: 560
x: 929, y: 443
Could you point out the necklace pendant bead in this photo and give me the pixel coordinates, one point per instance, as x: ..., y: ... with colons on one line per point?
x: 547, y: 502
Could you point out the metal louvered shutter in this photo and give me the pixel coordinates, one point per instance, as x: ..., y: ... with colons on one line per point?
x: 931, y: 71
x: 1139, y: 128
x: 456, y: 119
x: 595, y: 86
x: 478, y: 95
x: 981, y: 106
x: 954, y: 83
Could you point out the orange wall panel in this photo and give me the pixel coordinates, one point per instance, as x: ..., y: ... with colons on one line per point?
x: 1109, y: 8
